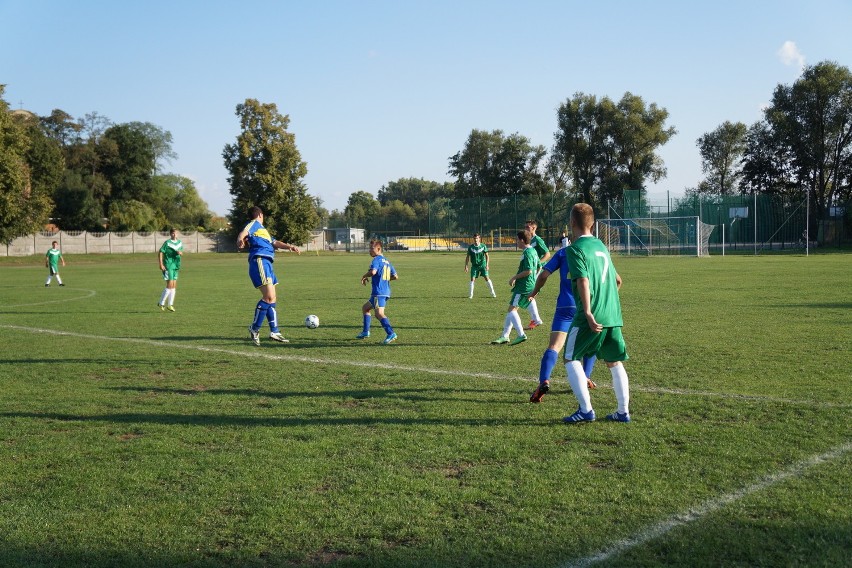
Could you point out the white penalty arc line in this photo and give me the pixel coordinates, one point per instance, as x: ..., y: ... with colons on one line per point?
x: 400, y: 368
x: 58, y: 301
x: 708, y: 507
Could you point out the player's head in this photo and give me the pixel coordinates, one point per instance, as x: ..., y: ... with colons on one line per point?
x: 476, y: 238
x: 255, y: 212
x: 531, y: 225
x: 524, y: 238
x: 54, y: 244
x: 173, y: 233
x: 582, y: 217
x: 375, y: 247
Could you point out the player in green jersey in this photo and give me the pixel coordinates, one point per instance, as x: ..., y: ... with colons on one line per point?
x: 169, y: 259
x: 596, y: 327
x: 52, y: 258
x: 477, y: 257
x: 522, y: 285
x: 537, y: 243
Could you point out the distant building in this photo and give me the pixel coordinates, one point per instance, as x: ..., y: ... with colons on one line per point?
x: 345, y: 235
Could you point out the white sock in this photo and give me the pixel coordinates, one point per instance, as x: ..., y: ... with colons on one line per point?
x: 491, y: 287
x: 577, y: 380
x: 163, y: 297
x: 58, y: 279
x: 507, y: 325
x: 533, y: 309
x: 49, y: 278
x: 516, y: 321
x: 172, y: 295
x: 471, y: 289
x: 621, y: 387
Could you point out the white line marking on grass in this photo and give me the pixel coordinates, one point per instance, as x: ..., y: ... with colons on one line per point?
x: 708, y: 507
x: 402, y: 368
x: 59, y: 301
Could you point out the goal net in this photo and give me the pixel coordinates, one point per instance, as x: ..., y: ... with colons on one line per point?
x: 655, y: 235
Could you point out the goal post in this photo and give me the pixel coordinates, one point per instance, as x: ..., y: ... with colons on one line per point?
x: 648, y: 236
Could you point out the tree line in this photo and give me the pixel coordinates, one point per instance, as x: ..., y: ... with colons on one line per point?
x: 89, y: 174
x: 601, y: 147
x: 84, y: 171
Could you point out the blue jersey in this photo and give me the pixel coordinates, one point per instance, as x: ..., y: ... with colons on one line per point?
x: 559, y: 262
x: 259, y: 241
x: 381, y: 279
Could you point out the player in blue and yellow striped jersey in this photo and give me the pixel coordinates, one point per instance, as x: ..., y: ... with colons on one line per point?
x: 380, y: 273
x: 261, y: 245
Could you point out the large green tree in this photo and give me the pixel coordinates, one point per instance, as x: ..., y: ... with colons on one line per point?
x: 179, y: 204
x: 609, y: 147
x: 721, y: 151
x: 25, y: 202
x: 266, y: 170
x: 131, y: 168
x: 361, y: 210
x: 812, y: 122
x: 492, y: 164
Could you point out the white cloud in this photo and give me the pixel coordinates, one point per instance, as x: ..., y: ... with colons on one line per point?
x: 789, y: 54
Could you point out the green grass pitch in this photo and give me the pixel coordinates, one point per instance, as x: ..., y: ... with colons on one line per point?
x: 131, y: 437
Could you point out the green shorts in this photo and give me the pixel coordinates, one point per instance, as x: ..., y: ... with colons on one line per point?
x: 476, y: 272
x: 608, y: 345
x: 170, y: 273
x: 519, y: 300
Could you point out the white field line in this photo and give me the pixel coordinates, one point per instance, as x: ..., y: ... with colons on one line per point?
x: 708, y: 507
x: 402, y: 368
x: 59, y: 301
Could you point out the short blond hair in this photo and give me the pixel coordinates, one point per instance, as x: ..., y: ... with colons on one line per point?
x: 583, y: 215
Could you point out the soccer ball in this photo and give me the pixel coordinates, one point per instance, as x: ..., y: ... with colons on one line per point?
x: 312, y: 322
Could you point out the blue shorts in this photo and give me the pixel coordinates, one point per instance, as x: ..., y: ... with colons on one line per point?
x: 261, y: 273
x: 379, y: 301
x: 562, y: 319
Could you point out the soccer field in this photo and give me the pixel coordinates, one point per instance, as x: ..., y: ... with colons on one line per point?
x: 133, y: 437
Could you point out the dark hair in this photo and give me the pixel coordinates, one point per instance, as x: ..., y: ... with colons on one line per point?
x: 376, y: 242
x: 531, y: 222
x: 476, y: 235
x: 525, y: 236
x: 255, y: 212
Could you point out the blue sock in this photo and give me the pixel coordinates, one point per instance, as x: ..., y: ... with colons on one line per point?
x: 272, y: 317
x: 386, y: 324
x: 367, y: 318
x: 548, y: 361
x: 259, y: 315
x: 589, y: 365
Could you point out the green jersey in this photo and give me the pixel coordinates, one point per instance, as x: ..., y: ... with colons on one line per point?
x: 171, y: 253
x: 537, y: 243
x: 529, y: 261
x: 589, y: 258
x: 53, y: 257
x: 477, y: 253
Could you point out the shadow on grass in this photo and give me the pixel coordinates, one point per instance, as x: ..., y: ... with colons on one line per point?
x: 416, y: 395
x: 271, y: 421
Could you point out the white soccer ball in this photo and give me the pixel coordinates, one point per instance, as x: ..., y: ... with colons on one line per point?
x: 312, y: 322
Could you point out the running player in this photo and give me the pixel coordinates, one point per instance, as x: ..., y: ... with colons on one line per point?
x: 522, y: 284
x: 566, y: 308
x: 537, y: 243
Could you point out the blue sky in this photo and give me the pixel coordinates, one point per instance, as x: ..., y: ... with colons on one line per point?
x: 379, y: 90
